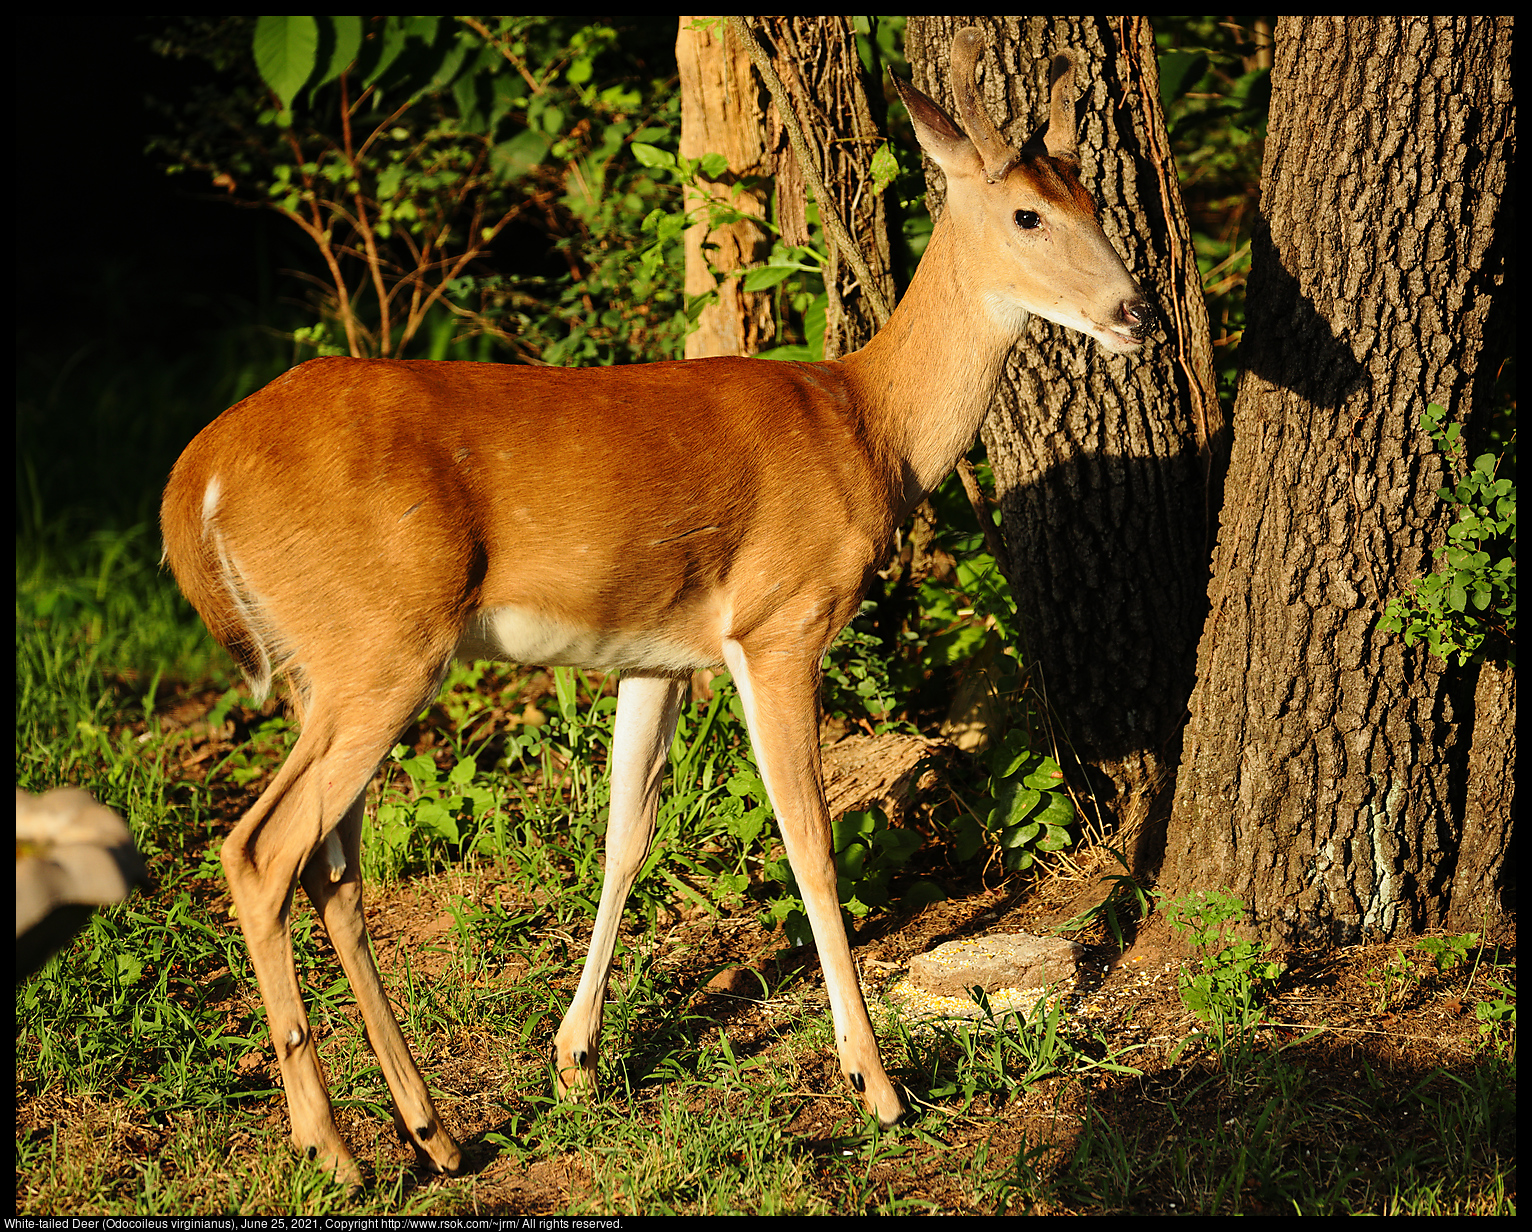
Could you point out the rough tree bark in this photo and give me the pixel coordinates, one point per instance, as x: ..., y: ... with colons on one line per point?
x: 1325, y: 770
x: 1106, y: 468
x: 1483, y: 888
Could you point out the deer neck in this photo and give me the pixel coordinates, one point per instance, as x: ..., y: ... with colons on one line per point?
x: 926, y: 380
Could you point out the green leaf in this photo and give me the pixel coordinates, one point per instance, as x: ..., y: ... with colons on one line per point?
x: 389, y: 180
x: 885, y: 168
x: 422, y: 27
x: 652, y: 155
x: 514, y: 158
x: 746, y: 783
x: 850, y: 862
x: 1014, y: 803
x: 768, y: 276
x: 852, y: 826
x: 1016, y: 860
x: 129, y: 969
x: 1012, y: 756
x: 347, y: 42
x: 1058, y: 810
x: 395, y: 34
x: 451, y: 62
x: 285, y: 51
x: 1179, y: 72
x: 922, y: 893
x: 1056, y: 839
x: 1046, y: 777
x: 1020, y: 836
x: 814, y: 326
x: 421, y: 768
x: 564, y: 686
x: 896, y: 845
x: 433, y: 815
x: 968, y: 838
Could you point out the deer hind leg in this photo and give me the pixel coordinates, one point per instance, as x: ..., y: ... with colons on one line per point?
x: 319, y: 785
x: 647, y: 709
x: 780, y: 694
x: 333, y: 881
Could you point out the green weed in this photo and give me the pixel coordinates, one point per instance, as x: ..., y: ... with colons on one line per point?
x: 1409, y: 974
x: 1029, y: 810
x: 1497, y: 1020
x: 1225, y: 989
x: 1126, y: 900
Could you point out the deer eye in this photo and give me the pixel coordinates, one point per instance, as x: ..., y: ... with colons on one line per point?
x: 1027, y: 219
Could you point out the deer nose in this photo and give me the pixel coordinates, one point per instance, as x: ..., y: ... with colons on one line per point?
x: 1137, y: 315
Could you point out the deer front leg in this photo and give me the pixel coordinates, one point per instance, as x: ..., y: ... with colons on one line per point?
x: 648, y: 706
x: 780, y: 693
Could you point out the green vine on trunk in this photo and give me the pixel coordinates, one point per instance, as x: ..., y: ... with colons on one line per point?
x: 1469, y: 600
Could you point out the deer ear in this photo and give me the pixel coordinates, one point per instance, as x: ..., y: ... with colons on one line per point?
x: 1057, y: 138
x: 939, y: 137
x: 1060, y: 138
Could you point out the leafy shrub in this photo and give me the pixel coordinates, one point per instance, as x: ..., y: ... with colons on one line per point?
x: 440, y: 814
x: 1028, y: 809
x: 417, y: 153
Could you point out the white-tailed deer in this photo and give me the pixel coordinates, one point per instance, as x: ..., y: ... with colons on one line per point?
x: 356, y: 524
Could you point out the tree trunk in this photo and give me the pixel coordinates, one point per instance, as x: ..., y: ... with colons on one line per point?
x: 1107, y: 469
x: 1325, y: 770
x: 721, y: 113
x: 1479, y: 884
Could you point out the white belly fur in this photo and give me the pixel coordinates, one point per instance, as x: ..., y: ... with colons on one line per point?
x: 526, y: 636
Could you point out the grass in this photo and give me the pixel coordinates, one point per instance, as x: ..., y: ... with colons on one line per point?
x: 1285, y: 1140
